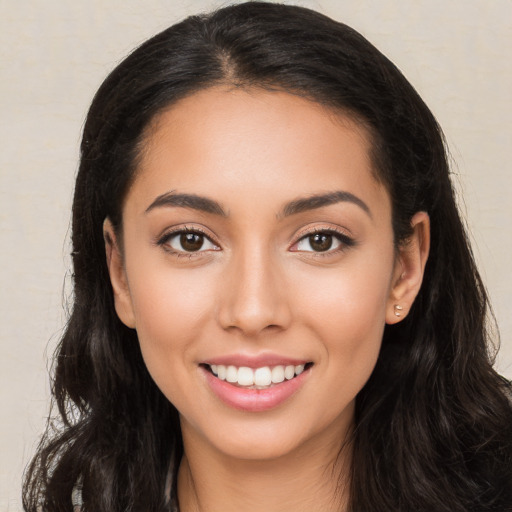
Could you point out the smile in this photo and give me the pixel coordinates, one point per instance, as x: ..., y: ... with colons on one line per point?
x: 257, y: 389
x: 257, y: 378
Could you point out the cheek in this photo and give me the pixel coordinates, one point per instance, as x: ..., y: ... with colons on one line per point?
x: 166, y: 300
x: 347, y: 309
x: 356, y: 295
x: 171, y: 309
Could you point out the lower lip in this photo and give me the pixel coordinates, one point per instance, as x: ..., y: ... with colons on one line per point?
x: 255, y: 400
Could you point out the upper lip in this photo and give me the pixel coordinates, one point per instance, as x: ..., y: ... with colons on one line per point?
x: 254, y: 361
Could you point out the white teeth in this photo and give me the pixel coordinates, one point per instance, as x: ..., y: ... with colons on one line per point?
x: 245, y: 376
x: 289, y: 372
x: 277, y: 374
x: 221, y: 372
x: 232, y: 374
x: 263, y: 376
x: 260, y: 377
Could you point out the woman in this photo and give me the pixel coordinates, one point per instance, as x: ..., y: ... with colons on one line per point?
x: 276, y: 306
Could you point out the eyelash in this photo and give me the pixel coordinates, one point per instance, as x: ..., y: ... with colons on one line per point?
x: 345, y: 241
x: 163, y: 241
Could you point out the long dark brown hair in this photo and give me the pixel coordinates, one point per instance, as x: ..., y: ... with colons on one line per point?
x: 433, y: 425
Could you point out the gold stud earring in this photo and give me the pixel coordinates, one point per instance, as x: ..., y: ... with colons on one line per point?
x: 398, y: 310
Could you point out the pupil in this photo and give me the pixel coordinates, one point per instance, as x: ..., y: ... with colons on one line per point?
x: 320, y: 242
x: 191, y: 241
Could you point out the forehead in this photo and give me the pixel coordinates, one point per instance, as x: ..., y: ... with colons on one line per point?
x: 223, y: 141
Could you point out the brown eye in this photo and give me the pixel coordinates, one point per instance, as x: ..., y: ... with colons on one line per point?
x: 191, y: 242
x: 323, y: 241
x: 188, y: 241
x: 320, y: 242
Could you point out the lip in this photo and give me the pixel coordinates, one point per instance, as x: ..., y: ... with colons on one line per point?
x: 254, y: 400
x: 257, y: 361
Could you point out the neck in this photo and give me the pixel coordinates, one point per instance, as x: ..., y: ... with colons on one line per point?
x: 312, y: 478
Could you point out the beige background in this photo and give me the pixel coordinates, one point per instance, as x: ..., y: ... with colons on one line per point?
x: 54, y: 54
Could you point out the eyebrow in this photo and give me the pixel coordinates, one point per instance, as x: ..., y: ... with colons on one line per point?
x: 203, y: 204
x: 207, y: 205
x: 321, y: 200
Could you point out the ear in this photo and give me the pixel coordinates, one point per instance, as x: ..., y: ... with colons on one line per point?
x: 409, y: 269
x: 115, y: 264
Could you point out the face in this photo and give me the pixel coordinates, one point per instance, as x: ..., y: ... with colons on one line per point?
x: 257, y: 249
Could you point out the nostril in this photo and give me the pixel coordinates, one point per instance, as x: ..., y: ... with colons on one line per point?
x: 273, y: 327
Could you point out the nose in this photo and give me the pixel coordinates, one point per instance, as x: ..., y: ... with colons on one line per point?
x: 253, y: 298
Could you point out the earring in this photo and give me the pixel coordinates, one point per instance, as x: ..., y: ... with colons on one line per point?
x: 398, y: 310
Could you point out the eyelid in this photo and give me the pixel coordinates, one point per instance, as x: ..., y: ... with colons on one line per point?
x: 161, y: 240
x: 344, y: 238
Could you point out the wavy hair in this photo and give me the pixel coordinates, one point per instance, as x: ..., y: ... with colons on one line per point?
x: 433, y: 425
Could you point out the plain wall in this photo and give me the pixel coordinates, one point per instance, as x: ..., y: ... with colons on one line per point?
x: 54, y: 55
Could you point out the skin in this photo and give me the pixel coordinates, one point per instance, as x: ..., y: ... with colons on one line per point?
x: 257, y: 286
